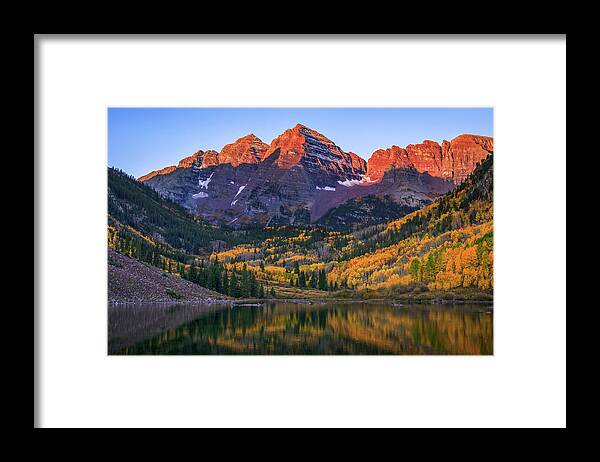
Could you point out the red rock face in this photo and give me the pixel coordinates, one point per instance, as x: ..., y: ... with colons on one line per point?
x: 189, y: 161
x: 210, y: 158
x: 383, y: 160
x: 465, y: 152
x: 162, y: 171
x: 247, y: 150
x: 453, y: 160
x: 302, y: 145
x: 426, y: 157
x: 358, y: 163
x: 291, y: 147
x: 201, y: 159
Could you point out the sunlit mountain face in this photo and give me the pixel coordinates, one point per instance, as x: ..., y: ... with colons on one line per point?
x: 302, y: 175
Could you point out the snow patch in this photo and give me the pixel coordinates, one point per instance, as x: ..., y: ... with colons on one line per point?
x: 204, y: 183
x: 232, y: 182
x: 239, y: 191
x: 237, y: 194
x: 200, y: 195
x: 321, y: 156
x: 235, y: 219
x: 350, y: 183
x: 326, y: 188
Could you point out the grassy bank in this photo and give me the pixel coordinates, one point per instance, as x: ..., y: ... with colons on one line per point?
x: 416, y: 294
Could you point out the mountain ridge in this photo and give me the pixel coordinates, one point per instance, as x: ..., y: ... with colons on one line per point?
x: 302, y: 174
x: 394, y: 153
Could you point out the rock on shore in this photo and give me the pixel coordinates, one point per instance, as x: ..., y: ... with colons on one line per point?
x: 130, y: 280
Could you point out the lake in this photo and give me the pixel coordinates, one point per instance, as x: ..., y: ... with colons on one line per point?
x: 285, y: 328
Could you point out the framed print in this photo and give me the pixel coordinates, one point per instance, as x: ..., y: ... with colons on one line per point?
x: 289, y: 231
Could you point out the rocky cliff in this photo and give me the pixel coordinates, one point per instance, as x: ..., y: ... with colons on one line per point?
x: 452, y: 160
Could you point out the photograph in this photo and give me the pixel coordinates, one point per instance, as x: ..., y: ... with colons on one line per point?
x: 300, y: 231
x: 293, y: 231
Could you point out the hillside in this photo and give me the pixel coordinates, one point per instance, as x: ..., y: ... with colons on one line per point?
x: 132, y: 281
x: 445, y: 246
x: 362, y: 211
x: 468, y: 205
x: 132, y: 203
x: 155, y: 231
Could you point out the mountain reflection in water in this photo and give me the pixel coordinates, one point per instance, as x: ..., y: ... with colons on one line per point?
x: 281, y: 328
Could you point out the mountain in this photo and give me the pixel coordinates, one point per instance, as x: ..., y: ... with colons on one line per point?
x: 302, y: 146
x: 302, y: 175
x: 299, y: 168
x: 255, y: 183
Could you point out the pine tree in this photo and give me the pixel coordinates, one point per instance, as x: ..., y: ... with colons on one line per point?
x: 253, y: 285
x: 234, y: 289
x: 302, y: 279
x: 244, y: 284
x: 312, y: 281
x: 225, y: 283
x: 322, y: 280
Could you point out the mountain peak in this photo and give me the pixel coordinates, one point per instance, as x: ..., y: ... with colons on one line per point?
x: 249, y: 137
x: 301, y: 145
x: 248, y: 149
x: 303, y: 129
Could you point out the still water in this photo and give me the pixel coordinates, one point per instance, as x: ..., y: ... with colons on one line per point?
x: 283, y: 328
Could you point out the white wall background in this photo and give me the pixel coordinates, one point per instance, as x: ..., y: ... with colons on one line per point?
x: 523, y: 384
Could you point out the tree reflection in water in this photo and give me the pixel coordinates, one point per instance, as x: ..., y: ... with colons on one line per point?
x: 329, y: 328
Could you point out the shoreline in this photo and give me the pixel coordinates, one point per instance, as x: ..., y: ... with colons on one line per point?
x: 308, y: 301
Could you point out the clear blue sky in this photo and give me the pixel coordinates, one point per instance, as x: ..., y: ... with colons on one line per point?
x: 145, y: 139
